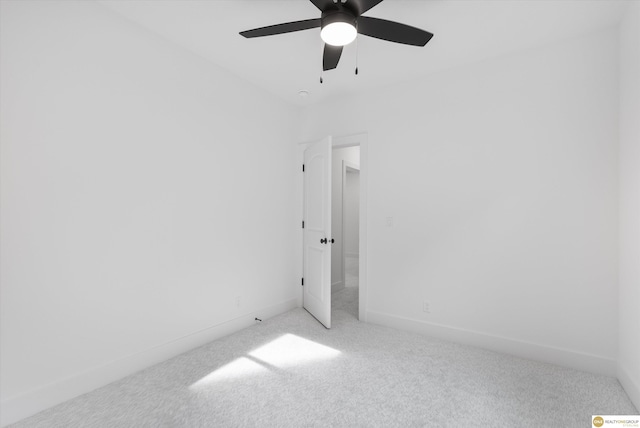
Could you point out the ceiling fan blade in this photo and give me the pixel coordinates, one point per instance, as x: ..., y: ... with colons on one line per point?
x: 287, y: 27
x: 322, y: 4
x: 393, y: 31
x: 331, y: 57
x: 361, y: 6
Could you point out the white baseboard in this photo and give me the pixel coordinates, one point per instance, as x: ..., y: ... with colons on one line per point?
x: 630, y: 385
x: 532, y: 351
x: 21, y: 406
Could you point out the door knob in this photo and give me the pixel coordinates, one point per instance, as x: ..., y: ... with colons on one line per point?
x: 323, y: 241
x: 333, y: 240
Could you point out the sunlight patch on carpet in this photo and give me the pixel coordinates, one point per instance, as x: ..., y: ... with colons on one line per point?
x: 286, y: 351
x: 236, y: 369
x: 290, y: 350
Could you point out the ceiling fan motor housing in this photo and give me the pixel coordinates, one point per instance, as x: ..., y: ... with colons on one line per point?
x: 338, y: 15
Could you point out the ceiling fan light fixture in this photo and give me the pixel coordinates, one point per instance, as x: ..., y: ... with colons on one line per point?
x: 338, y: 27
x: 338, y: 33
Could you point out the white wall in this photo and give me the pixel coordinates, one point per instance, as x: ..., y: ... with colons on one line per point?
x: 351, y: 211
x: 629, y: 326
x: 129, y: 222
x: 502, y: 181
x: 349, y: 154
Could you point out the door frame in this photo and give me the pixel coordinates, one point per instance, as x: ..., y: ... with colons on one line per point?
x: 351, y: 140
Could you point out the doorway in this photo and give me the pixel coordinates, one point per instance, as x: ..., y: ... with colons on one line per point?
x: 345, y: 222
x: 351, y: 224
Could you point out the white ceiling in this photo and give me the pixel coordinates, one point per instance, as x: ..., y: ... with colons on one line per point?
x: 465, y: 31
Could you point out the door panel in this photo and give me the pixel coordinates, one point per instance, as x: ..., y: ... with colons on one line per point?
x: 315, y: 277
x: 317, y: 218
x: 315, y: 181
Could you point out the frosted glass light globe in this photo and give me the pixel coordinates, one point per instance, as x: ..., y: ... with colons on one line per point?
x: 338, y: 33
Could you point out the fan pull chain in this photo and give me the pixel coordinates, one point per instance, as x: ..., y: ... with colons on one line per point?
x: 321, y: 63
x: 357, y: 47
x: 356, y: 55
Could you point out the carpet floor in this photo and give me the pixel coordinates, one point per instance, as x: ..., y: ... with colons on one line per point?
x: 290, y: 371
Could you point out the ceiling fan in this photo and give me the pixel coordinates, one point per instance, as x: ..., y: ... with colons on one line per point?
x: 341, y: 21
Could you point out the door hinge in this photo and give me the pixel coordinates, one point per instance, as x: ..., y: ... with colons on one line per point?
x: 303, y: 282
x: 302, y: 167
x: 303, y: 224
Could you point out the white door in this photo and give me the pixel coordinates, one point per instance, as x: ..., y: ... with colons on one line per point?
x: 317, y: 231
